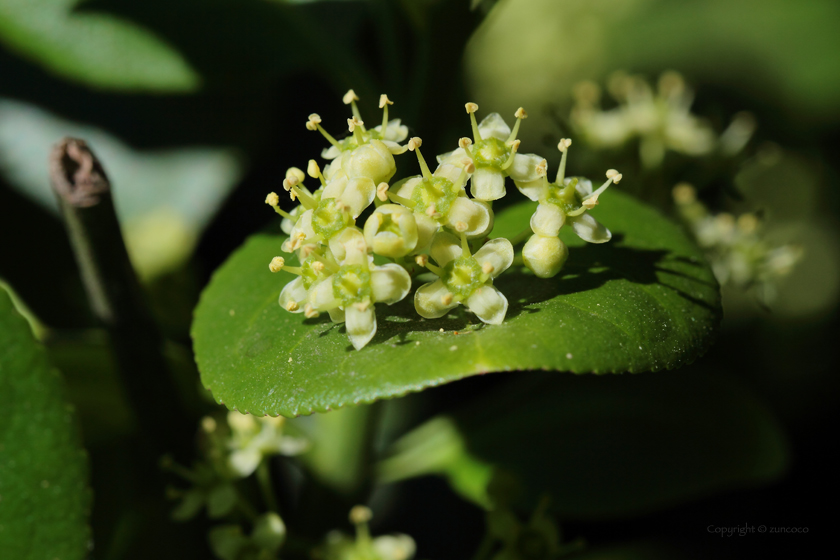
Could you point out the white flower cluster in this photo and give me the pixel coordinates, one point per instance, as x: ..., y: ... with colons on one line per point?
x: 736, y: 248
x: 418, y: 218
x: 339, y: 546
x: 661, y: 120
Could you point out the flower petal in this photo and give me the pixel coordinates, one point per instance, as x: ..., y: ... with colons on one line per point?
x: 547, y: 220
x: 335, y: 187
x: 476, y: 214
x: 494, y: 125
x: 322, y: 295
x: 405, y: 187
x: 498, y: 252
x: 454, y: 157
x: 348, y: 244
x: 588, y: 229
x: 360, y: 325
x: 330, y: 153
x: 449, y: 171
x: 394, y: 131
x: 336, y: 315
x: 358, y: 195
x: 244, y: 462
x: 390, y: 283
x: 296, y: 292
x: 428, y: 300
x: 426, y: 229
x: 489, y: 304
x: 524, y: 167
x: 532, y: 189
x: 445, y: 247
x: 487, y: 184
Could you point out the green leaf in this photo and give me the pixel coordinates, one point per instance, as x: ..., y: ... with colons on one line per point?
x: 44, y: 500
x: 644, y: 301
x: 623, y: 445
x: 97, y: 49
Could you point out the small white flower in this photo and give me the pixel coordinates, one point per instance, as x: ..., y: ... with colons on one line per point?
x: 465, y: 279
x: 253, y: 438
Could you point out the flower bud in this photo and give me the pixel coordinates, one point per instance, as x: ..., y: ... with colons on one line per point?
x: 544, y: 256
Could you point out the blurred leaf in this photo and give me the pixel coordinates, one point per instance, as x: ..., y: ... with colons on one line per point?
x: 97, y: 49
x: 644, y: 301
x: 164, y: 199
x: 623, y: 445
x: 43, y: 468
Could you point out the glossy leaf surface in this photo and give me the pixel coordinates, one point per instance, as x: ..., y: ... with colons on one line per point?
x: 644, y: 301
x: 43, y: 468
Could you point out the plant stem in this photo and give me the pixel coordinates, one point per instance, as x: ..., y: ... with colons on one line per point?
x: 84, y: 195
x: 264, y: 479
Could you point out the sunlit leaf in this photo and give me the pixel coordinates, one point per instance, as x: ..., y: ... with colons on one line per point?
x: 97, y: 49
x: 644, y: 301
x: 43, y: 469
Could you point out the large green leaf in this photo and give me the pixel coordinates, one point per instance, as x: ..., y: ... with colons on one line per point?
x: 43, y: 469
x: 95, y: 48
x: 644, y: 301
x: 624, y: 445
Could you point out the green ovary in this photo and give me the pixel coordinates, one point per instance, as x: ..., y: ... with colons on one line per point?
x: 566, y: 197
x: 351, y: 284
x: 462, y: 277
x: 328, y: 219
x: 439, y: 192
x: 490, y: 152
x: 308, y: 275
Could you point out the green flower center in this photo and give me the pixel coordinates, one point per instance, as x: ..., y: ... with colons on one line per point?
x: 462, y: 277
x: 307, y: 273
x: 351, y: 284
x: 565, y: 197
x: 389, y: 223
x: 439, y: 192
x: 328, y: 219
x: 350, y: 143
x: 490, y: 152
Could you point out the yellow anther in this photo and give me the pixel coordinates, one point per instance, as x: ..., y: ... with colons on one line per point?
x: 349, y: 97
x: 471, y: 107
x: 362, y: 305
x: 313, y: 122
x: 431, y: 211
x: 414, y: 143
x: 614, y: 175
x: 382, y: 191
x: 590, y: 203
x: 272, y: 199
x: 383, y: 100
x: 318, y: 266
x: 296, y: 173
x: 292, y: 306
x: 353, y: 123
x: 313, y: 169
x: 468, y: 164
x: 421, y: 260
x: 564, y: 144
x: 684, y: 193
x: 461, y: 226
x: 360, y: 514
x: 464, y: 143
x: 514, y: 146
x: 292, y: 179
x: 276, y: 264
x: 310, y: 312
x: 520, y: 114
x: 292, y: 194
x: 542, y: 168
x: 487, y: 268
x: 446, y: 299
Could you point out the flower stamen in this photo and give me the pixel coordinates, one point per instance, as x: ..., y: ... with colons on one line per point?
x: 314, y: 123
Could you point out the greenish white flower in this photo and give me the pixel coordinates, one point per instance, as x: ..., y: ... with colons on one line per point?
x: 493, y: 152
x: 391, y: 231
x: 339, y: 546
x: 662, y: 121
x: 253, y: 438
x: 354, y: 288
x: 465, y: 279
x: 440, y: 196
